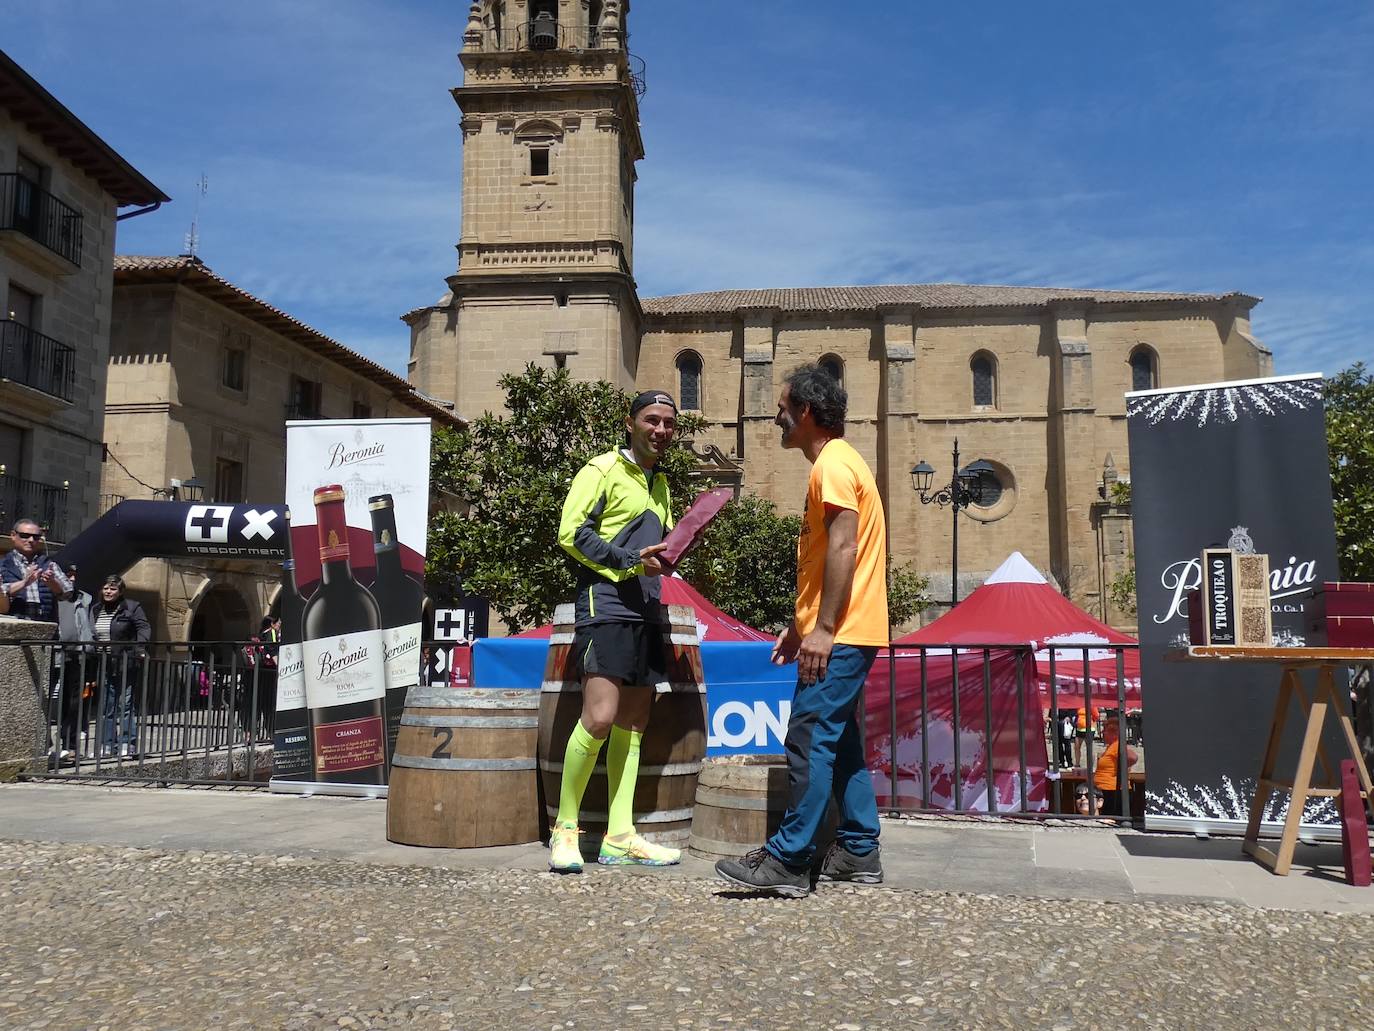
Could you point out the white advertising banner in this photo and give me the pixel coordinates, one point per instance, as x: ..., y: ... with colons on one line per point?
x: 358, y: 495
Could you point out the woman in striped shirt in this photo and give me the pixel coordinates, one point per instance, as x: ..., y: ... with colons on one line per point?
x: 119, y: 621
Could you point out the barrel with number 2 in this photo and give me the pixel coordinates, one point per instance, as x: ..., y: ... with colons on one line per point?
x: 464, y: 774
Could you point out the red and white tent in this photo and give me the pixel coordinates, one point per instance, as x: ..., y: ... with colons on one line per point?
x: 712, y: 624
x: 1016, y: 605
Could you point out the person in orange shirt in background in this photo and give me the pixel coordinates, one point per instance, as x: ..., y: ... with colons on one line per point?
x: 1086, y: 722
x: 1107, y: 775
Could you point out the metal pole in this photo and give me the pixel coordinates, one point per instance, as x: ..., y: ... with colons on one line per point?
x: 892, y: 720
x: 954, y: 507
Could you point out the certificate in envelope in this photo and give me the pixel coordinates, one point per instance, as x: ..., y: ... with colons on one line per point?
x: 685, y: 536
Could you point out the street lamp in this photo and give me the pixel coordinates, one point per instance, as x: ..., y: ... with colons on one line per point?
x: 965, y: 488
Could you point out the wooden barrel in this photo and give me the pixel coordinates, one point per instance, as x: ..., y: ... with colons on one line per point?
x: 464, y: 773
x: 671, y: 751
x: 740, y: 802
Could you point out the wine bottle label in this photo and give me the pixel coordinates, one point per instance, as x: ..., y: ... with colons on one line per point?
x: 344, y: 669
x: 350, y: 745
x: 402, y: 647
x: 290, y: 677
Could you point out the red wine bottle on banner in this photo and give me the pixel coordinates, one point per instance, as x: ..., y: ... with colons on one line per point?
x: 291, y: 732
x: 400, y: 598
x: 345, y: 669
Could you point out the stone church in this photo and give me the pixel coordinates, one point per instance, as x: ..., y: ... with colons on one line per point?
x: 1028, y: 379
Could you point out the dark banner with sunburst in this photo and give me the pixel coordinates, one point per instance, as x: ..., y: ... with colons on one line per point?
x: 1240, y: 465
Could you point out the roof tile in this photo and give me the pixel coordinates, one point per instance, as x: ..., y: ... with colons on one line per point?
x: 926, y: 295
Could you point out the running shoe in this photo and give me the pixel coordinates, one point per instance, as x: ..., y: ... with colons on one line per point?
x: 565, y: 855
x: 634, y: 850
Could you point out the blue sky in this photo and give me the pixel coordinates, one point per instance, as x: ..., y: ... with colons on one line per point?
x: 1192, y: 146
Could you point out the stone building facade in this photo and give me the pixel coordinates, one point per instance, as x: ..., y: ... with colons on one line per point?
x: 202, y: 380
x: 550, y: 125
x: 61, y: 188
x: 1030, y: 380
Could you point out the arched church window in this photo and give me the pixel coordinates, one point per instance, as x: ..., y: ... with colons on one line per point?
x: 983, y: 368
x: 689, y: 381
x: 1144, y: 369
x: 833, y: 365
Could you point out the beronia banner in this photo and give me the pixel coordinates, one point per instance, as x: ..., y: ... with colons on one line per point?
x: 357, y: 492
x: 1232, y: 465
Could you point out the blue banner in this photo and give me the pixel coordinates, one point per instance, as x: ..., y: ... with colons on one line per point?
x: 749, y: 700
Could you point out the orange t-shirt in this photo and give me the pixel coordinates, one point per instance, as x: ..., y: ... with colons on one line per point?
x: 1105, y: 775
x: 841, y: 479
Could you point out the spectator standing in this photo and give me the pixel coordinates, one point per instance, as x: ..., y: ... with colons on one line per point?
x: 118, y: 623
x: 31, y: 581
x: 260, y: 673
x: 75, y: 632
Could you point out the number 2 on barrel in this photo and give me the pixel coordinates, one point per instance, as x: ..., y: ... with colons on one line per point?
x: 441, y: 749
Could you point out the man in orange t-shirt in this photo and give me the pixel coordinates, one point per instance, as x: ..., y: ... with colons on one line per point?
x: 840, y: 623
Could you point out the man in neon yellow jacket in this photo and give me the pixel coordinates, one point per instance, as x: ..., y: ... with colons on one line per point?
x: 614, y: 519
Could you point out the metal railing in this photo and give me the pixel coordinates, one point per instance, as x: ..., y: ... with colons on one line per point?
x: 167, y: 713
x: 975, y: 729
x: 164, y: 713
x: 29, y: 209
x: 38, y: 361
x: 108, y: 501
x: 564, y: 37
x: 300, y: 410
x: 45, y: 503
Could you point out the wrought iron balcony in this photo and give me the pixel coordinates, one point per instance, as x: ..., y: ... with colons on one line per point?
x: 299, y: 410
x: 44, y: 503
x: 38, y: 361
x: 29, y: 209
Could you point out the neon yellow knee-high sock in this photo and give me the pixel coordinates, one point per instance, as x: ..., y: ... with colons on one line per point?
x: 578, y: 762
x: 622, y: 770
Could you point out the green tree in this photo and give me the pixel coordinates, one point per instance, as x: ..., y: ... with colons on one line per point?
x: 1350, y: 446
x: 514, y: 472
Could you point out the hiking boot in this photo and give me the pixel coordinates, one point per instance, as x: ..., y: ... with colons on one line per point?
x: 565, y: 855
x: 762, y: 871
x: 842, y: 865
x: 634, y: 850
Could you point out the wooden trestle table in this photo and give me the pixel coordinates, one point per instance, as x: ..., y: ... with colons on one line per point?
x: 1323, y: 697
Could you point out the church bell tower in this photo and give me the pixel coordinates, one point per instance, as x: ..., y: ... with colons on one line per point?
x: 550, y: 124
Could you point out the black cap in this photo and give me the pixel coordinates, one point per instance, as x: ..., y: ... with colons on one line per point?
x: 651, y: 397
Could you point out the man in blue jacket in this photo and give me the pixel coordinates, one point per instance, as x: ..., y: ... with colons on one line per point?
x: 32, y: 581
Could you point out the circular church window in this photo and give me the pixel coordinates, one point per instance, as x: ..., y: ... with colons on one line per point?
x: 998, y: 494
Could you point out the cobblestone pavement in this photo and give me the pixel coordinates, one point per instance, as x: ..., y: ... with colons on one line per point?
x: 116, y: 938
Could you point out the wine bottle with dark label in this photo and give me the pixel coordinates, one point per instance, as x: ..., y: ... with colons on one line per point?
x: 291, y: 732
x: 345, y: 668
x: 400, y: 598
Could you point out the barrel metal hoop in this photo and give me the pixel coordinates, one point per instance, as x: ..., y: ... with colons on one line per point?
x: 472, y: 698
x: 669, y: 770
x: 420, y: 762
x: 474, y: 722
x: 662, y: 687
x: 725, y: 800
